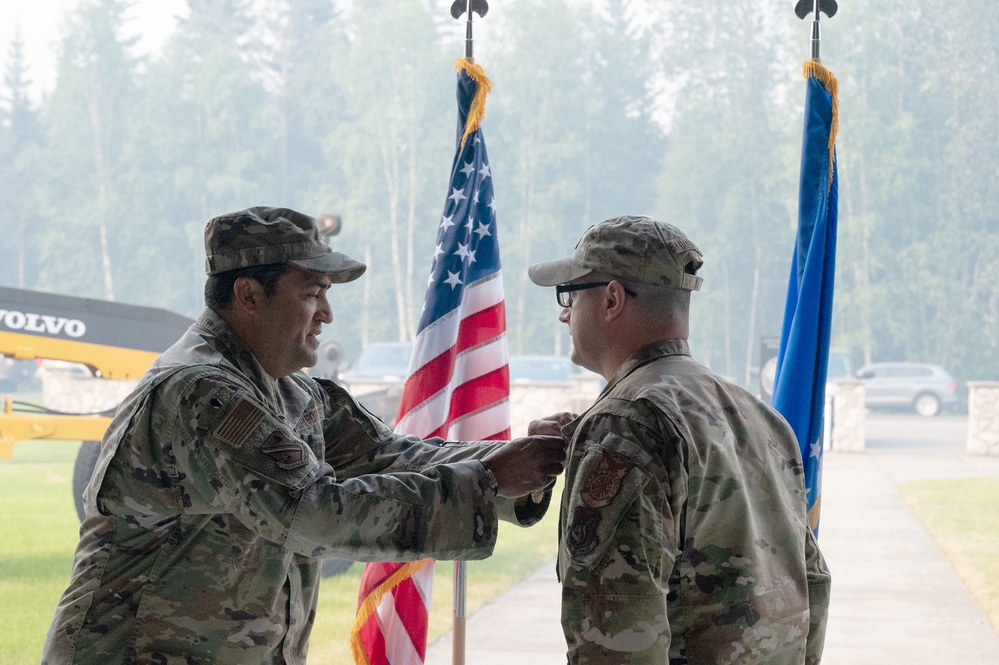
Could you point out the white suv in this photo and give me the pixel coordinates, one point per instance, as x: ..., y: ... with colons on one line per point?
x: 926, y: 389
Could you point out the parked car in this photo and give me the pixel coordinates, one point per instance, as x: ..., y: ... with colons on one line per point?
x: 541, y: 369
x: 839, y: 366
x: 524, y: 369
x: 926, y: 389
x: 381, y: 361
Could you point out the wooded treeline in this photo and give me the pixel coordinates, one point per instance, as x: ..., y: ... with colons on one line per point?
x: 690, y: 112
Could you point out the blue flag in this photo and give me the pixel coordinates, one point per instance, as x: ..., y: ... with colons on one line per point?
x: 803, y: 355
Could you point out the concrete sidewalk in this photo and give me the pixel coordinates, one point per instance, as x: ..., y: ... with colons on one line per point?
x: 895, y: 599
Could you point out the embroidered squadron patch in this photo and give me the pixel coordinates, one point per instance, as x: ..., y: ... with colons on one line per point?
x: 240, y: 422
x: 604, y: 483
x: 285, y: 451
x: 582, y: 533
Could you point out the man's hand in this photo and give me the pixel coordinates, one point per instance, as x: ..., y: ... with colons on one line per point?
x: 552, y: 425
x: 526, y: 464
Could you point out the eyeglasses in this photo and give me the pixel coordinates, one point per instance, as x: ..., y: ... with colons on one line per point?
x: 563, y: 292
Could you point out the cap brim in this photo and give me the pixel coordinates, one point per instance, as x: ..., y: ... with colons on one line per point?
x: 558, y: 271
x: 340, y: 267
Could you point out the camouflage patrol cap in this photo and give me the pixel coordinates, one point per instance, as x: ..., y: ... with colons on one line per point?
x: 261, y: 236
x: 638, y: 249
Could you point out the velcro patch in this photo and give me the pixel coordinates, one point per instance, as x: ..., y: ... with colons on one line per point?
x: 604, y: 483
x: 309, y: 419
x: 582, y: 535
x: 240, y: 422
x: 283, y: 450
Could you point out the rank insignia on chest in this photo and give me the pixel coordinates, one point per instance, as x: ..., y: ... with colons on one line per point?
x: 604, y: 483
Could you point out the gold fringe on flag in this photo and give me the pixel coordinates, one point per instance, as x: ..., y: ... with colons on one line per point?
x: 813, y: 514
x: 370, y: 605
x: 478, y: 109
x: 814, y: 70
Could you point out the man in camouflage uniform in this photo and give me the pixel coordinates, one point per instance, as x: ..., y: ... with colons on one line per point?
x: 227, y: 475
x: 683, y: 530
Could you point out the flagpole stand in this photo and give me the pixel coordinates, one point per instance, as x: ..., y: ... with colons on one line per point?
x: 458, y: 631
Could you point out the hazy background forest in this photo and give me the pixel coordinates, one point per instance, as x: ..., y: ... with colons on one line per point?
x: 687, y: 111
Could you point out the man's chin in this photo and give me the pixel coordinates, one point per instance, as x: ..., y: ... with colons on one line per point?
x: 309, y: 359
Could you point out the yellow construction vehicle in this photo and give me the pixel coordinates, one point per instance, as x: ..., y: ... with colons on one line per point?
x: 113, y: 341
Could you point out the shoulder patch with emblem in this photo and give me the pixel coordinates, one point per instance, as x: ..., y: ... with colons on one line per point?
x: 283, y: 450
x: 581, y: 538
x: 604, y: 483
x: 240, y: 422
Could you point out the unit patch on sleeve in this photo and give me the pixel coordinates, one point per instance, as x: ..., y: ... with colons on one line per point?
x: 604, y: 483
x: 283, y: 450
x: 240, y: 422
x: 582, y: 533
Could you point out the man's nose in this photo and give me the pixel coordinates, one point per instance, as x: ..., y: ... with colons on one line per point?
x: 563, y: 316
x: 325, y: 312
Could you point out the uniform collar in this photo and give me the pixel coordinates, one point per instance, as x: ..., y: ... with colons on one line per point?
x: 231, y: 348
x: 640, y: 358
x: 647, y: 354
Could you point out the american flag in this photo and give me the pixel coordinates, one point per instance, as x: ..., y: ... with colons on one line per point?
x: 459, y: 381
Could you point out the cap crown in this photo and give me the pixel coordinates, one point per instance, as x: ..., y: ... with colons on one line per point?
x: 640, y: 249
x: 261, y: 236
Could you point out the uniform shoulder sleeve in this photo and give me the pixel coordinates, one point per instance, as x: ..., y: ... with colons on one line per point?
x: 618, y: 543
x: 235, y: 454
x: 233, y: 427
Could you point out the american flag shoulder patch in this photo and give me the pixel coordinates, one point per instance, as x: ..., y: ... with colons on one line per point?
x: 240, y: 422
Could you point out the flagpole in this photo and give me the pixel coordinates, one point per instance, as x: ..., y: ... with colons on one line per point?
x: 816, y: 35
x: 468, y: 31
x: 458, y: 630
x: 459, y: 7
x: 459, y: 620
x: 805, y: 7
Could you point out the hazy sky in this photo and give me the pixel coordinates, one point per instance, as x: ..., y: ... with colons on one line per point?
x: 42, y: 22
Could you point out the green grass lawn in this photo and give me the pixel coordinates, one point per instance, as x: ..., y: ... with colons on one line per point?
x: 961, y: 516
x: 39, y: 531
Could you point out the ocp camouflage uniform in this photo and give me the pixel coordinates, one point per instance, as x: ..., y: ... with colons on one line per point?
x: 217, y: 490
x: 684, y: 537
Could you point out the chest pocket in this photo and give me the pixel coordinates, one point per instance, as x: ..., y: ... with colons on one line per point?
x: 241, y: 431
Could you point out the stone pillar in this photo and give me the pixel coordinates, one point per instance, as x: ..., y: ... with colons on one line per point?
x: 74, y: 392
x: 848, y: 413
x: 585, y: 389
x: 983, y: 418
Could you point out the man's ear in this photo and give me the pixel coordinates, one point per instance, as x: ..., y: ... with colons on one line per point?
x: 247, y: 293
x: 614, y: 300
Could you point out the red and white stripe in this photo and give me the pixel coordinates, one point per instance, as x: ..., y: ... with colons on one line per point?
x: 458, y: 387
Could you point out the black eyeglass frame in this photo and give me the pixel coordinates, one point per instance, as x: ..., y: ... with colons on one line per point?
x: 563, y: 292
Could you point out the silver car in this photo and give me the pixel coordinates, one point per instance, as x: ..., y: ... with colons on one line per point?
x: 926, y: 389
